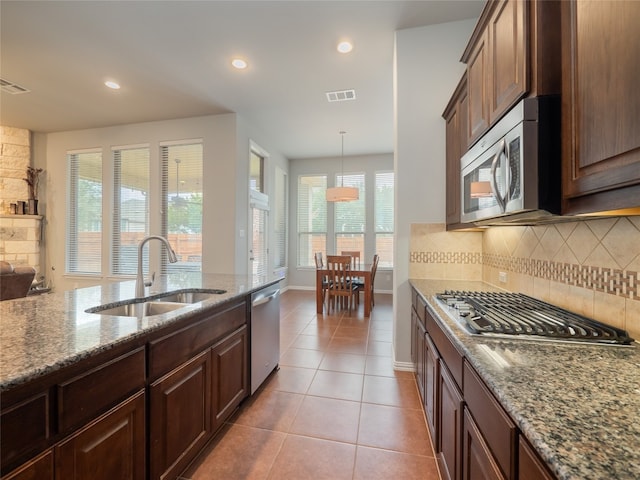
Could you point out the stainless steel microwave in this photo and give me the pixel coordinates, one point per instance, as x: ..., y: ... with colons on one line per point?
x: 512, y: 174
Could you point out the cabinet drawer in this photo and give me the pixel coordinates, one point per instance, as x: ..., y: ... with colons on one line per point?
x: 449, y: 353
x: 176, y: 348
x: 496, y: 427
x: 20, y: 437
x: 530, y: 466
x: 419, y: 306
x: 87, y: 395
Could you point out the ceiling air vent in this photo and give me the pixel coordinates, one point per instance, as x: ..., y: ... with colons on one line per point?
x: 12, y: 88
x: 341, y: 95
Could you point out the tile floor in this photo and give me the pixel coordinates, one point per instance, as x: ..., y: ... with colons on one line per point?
x: 335, y: 410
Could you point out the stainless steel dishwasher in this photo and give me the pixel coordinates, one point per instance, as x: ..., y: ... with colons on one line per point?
x: 265, y: 334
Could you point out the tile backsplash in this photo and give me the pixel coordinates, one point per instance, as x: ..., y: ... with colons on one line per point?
x: 591, y: 267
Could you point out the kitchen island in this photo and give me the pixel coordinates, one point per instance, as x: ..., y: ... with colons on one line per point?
x: 75, y: 385
x: 578, y: 405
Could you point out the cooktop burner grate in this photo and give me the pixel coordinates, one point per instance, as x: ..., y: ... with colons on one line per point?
x: 502, y: 313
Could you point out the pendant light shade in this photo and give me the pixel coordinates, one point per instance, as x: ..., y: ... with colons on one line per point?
x: 342, y: 193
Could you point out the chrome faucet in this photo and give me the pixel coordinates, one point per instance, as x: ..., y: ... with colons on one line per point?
x: 140, y: 283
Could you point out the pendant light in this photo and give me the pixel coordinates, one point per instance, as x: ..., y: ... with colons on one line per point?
x: 342, y: 193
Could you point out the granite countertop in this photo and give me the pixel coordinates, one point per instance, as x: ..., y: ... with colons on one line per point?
x: 578, y: 405
x: 42, y: 333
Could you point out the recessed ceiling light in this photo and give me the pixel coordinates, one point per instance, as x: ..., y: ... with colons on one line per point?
x: 345, y: 47
x: 239, y: 63
x: 112, y: 85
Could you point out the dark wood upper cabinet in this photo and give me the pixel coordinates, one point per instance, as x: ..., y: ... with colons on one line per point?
x: 513, y: 52
x: 601, y: 106
x: 455, y: 116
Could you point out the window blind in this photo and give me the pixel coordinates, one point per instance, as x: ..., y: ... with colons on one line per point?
x: 384, y: 224
x: 182, y: 203
x: 350, y: 217
x: 281, y: 219
x: 84, y: 212
x: 130, y: 207
x: 312, y: 218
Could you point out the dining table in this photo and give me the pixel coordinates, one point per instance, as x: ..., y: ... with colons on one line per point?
x: 363, y: 271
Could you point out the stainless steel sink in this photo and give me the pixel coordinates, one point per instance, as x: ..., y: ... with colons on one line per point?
x: 139, y: 309
x: 157, y: 305
x: 189, y: 296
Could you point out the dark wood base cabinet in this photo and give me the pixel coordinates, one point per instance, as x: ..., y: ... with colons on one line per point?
x: 473, y: 436
x: 477, y: 458
x: 40, y: 468
x: 450, y: 421
x: 141, y: 410
x: 180, y: 417
x: 111, y: 447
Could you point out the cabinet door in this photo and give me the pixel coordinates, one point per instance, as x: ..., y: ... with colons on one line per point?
x: 180, y: 416
x: 230, y: 375
x: 420, y: 359
x: 432, y: 372
x: 113, y: 446
x: 450, y: 426
x: 478, y: 88
x: 478, y: 461
x: 40, y: 468
x: 601, y: 105
x: 508, y: 57
x: 530, y: 467
x: 456, y: 137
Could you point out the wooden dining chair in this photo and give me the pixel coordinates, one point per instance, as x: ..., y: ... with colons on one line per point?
x: 325, y: 278
x: 374, y: 269
x: 341, y: 285
x: 355, y: 258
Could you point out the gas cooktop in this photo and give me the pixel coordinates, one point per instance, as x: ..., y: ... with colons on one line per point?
x: 516, y: 314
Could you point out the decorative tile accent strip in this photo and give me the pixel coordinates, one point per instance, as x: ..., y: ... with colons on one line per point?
x: 623, y: 283
x: 445, y: 257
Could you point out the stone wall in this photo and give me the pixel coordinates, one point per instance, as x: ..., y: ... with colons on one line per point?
x: 20, y: 235
x: 15, y: 157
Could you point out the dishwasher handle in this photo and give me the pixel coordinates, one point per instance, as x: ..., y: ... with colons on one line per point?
x: 261, y: 301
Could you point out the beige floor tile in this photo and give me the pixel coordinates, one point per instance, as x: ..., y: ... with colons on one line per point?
x: 376, y: 464
x: 393, y: 428
x: 269, y: 409
x: 312, y: 419
x: 348, y: 345
x: 310, y: 458
x: 312, y: 342
x: 290, y: 379
x: 344, y: 386
x: 379, y: 349
x: 381, y: 366
x: 397, y: 392
x: 240, y: 453
x: 298, y: 357
x: 343, y: 362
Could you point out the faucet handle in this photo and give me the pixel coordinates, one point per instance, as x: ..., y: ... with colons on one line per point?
x: 150, y: 282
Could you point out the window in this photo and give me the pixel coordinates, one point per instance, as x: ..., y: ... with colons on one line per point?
x: 383, y: 207
x: 312, y: 218
x: 130, y: 207
x: 281, y: 219
x: 84, y: 212
x: 350, y: 217
x: 256, y: 172
x: 182, y: 200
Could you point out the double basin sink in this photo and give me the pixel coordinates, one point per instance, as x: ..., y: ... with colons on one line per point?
x: 156, y: 305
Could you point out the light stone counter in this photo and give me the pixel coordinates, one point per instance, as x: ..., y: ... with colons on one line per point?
x: 578, y: 404
x: 43, y: 333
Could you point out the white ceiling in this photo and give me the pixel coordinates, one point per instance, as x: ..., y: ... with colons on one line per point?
x: 172, y: 59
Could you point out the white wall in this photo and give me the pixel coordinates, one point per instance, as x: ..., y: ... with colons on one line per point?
x: 245, y: 135
x: 225, y: 185
x: 427, y: 69
x: 331, y: 166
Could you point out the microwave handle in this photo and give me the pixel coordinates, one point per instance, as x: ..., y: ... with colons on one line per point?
x: 502, y: 201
